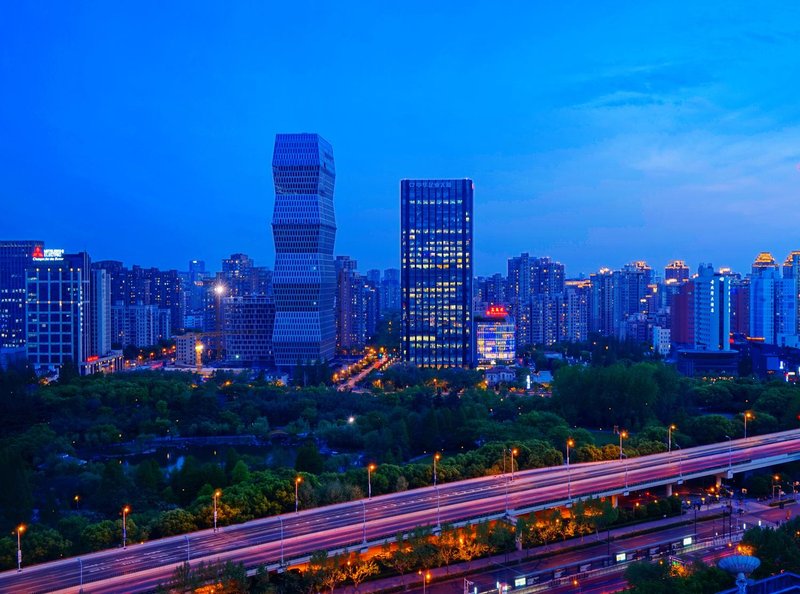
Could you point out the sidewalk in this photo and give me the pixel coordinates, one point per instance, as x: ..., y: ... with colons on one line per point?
x: 467, y: 567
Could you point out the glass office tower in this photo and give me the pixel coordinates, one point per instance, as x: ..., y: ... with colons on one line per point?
x: 15, y: 258
x: 304, y: 227
x: 436, y: 272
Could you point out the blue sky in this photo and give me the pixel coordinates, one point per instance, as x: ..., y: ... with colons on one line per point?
x: 596, y: 133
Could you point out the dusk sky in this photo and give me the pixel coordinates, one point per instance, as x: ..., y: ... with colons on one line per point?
x: 596, y: 133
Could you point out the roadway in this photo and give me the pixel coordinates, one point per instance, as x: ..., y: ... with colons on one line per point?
x: 596, y: 550
x: 141, y: 567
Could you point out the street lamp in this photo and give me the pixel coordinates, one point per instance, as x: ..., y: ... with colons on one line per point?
x: 513, y: 453
x: 217, y: 494
x: 622, y: 435
x: 77, y: 500
x: 125, y: 511
x: 280, y: 519
x: 364, y: 508
x: 438, y: 512
x: 776, y: 483
x: 730, y: 455
x: 570, y: 443
x: 20, y: 530
x: 747, y: 416
x: 670, y: 429
x: 436, y: 458
x: 426, y: 578
x: 370, y: 468
x: 297, y: 482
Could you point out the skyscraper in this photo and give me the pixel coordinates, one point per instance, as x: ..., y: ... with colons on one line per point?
x: 304, y: 228
x: 773, y: 307
x: 58, y: 312
x: 712, y: 310
x: 436, y: 271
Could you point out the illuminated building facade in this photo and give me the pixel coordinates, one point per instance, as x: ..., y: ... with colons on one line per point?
x: 249, y: 322
x: 304, y: 228
x: 15, y: 258
x: 495, y: 342
x: 436, y: 272
x: 712, y: 310
x: 58, y: 314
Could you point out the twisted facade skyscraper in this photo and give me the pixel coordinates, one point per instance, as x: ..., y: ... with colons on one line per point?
x: 304, y: 228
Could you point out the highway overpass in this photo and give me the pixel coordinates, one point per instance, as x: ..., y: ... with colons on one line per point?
x: 276, y: 540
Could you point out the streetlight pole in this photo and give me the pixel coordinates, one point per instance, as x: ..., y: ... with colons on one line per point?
x: 670, y: 429
x: 513, y: 453
x: 280, y: 519
x: 747, y: 415
x: 622, y: 434
x: 188, y: 555
x: 436, y: 457
x: 570, y: 442
x: 364, y: 507
x: 20, y: 530
x: 506, y: 485
x: 297, y: 482
x: 80, y: 566
x: 217, y: 493
x: 125, y: 511
x: 370, y: 468
x: 438, y: 511
x: 730, y: 454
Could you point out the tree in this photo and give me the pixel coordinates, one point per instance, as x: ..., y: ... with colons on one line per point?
x: 309, y: 459
x: 357, y: 570
x: 401, y: 558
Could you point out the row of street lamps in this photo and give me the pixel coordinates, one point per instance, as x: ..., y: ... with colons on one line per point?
x: 570, y: 443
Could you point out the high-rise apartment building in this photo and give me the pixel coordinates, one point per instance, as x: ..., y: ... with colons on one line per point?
x: 390, y: 290
x: 676, y: 270
x: 15, y: 258
x: 773, y: 303
x: 791, y: 270
x: 304, y: 228
x: 518, y: 292
x: 436, y: 250
x: 601, y: 304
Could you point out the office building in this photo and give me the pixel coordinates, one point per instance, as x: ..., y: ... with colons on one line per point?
x: 494, y: 337
x: 15, y: 258
x: 712, y: 310
x: 58, y: 312
x: 304, y: 228
x: 437, y: 271
x: 249, y: 322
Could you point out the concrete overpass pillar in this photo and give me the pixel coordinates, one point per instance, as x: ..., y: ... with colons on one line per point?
x: 669, y: 490
x: 614, y: 501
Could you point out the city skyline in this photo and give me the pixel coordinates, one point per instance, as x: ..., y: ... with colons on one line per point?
x: 593, y: 161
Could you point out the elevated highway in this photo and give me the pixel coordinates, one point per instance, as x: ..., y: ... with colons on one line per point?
x: 274, y: 541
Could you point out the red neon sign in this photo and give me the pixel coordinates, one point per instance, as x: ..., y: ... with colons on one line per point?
x: 92, y: 359
x: 497, y: 311
x: 37, y: 252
